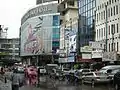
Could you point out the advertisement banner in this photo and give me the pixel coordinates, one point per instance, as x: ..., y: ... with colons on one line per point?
x: 36, y: 35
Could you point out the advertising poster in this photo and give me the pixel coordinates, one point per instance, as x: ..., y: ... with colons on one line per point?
x: 36, y: 35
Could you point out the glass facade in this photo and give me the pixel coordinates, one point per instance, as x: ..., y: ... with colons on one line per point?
x: 56, y: 33
x: 87, y: 16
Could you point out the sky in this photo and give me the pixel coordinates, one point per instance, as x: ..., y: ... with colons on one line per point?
x: 11, y: 12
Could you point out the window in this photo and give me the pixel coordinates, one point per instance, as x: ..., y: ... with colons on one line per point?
x: 101, y: 15
x: 104, y: 31
x: 71, y: 3
x: 111, y: 11
x: 97, y: 16
x: 109, y: 47
x: 112, y: 28
x: 97, y: 33
x: 112, y: 46
x: 117, y: 28
x: 104, y: 14
x: 116, y: 9
x: 109, y: 30
x: 112, y: 1
x: 108, y: 12
x: 109, y: 1
x: 117, y: 46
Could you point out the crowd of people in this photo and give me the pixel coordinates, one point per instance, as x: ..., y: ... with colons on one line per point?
x: 30, y: 73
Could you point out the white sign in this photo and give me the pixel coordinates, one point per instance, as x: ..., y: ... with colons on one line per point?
x: 97, y: 54
x: 86, y: 56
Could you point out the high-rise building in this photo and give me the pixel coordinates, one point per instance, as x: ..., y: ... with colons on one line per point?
x: 9, y: 50
x: 39, y: 34
x: 43, y: 1
x: 107, y: 28
x: 68, y: 23
x: 87, y: 21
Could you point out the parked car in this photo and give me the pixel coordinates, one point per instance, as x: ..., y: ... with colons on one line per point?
x: 116, y: 81
x: 95, y: 77
x: 109, y: 68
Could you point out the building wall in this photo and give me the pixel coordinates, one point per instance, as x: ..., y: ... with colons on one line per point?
x: 40, y: 30
x: 69, y: 21
x: 113, y: 22
x: 43, y: 1
x: 9, y: 49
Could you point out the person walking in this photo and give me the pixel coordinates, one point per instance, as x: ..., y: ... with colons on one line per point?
x: 15, y: 80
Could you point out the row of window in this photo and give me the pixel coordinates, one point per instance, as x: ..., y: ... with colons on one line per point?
x: 112, y: 29
x: 113, y: 46
x: 110, y: 12
x: 108, y: 3
x: 83, y: 3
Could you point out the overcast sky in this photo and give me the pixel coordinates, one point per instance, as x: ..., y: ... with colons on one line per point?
x: 11, y: 12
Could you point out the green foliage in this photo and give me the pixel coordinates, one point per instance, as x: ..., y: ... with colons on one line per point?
x: 4, y: 53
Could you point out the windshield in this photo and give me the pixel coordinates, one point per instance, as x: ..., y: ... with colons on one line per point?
x: 103, y: 70
x: 100, y: 74
x: 115, y: 71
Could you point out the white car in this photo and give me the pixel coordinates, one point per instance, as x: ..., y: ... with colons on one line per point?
x: 95, y: 77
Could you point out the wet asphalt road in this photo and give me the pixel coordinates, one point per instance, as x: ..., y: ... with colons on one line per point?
x: 51, y: 84
x: 61, y: 85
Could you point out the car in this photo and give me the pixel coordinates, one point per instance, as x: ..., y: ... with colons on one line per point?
x: 84, y: 71
x: 95, y: 77
x: 109, y: 68
x: 116, y: 81
x: 112, y: 73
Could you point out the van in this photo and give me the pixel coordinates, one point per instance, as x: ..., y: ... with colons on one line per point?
x: 109, y: 69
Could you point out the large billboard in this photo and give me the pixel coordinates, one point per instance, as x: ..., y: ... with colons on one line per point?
x: 36, y: 35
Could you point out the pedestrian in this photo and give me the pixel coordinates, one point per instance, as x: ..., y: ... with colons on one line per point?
x: 15, y: 80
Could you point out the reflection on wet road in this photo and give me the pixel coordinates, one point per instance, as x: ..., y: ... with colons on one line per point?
x: 61, y: 85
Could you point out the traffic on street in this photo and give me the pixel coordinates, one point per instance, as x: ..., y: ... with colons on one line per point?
x: 52, y: 77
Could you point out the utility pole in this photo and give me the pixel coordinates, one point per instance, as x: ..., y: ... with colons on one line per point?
x: 106, y: 28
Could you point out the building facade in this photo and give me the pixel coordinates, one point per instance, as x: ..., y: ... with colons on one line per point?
x: 43, y: 1
x: 107, y: 28
x: 68, y: 10
x: 9, y: 50
x: 39, y: 33
x: 87, y: 21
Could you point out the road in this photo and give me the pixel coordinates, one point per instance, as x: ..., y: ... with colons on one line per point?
x: 60, y: 85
